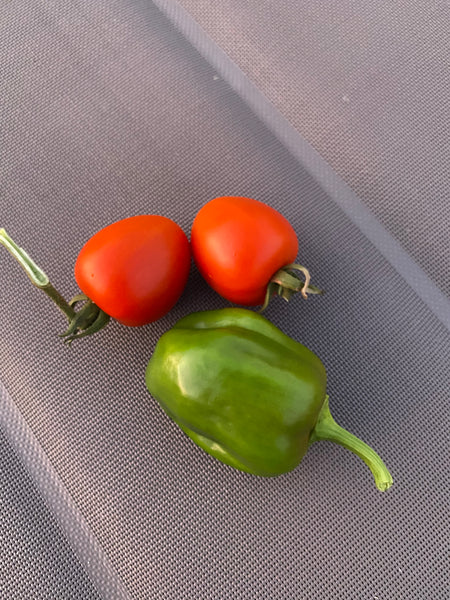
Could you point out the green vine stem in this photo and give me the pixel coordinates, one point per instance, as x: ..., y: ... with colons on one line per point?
x: 36, y: 275
x: 327, y: 429
x: 287, y: 281
x: 89, y: 319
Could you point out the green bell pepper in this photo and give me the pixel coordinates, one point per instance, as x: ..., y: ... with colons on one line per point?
x: 247, y: 393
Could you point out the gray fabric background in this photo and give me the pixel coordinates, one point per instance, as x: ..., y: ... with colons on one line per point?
x: 107, y: 111
x: 36, y: 560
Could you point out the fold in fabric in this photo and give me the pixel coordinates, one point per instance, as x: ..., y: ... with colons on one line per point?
x: 58, y: 500
x: 310, y: 160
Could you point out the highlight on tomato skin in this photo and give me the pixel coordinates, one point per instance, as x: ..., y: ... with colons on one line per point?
x: 246, y: 251
x: 136, y: 269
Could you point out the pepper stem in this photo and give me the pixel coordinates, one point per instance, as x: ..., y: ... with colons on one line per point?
x: 327, y: 429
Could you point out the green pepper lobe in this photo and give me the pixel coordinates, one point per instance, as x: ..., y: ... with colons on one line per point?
x: 247, y: 394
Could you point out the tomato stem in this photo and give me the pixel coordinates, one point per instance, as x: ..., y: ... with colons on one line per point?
x: 58, y: 300
x: 286, y: 282
x: 88, y: 320
x: 36, y: 275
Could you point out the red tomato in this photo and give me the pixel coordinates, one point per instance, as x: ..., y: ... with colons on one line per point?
x: 239, y: 244
x: 136, y: 269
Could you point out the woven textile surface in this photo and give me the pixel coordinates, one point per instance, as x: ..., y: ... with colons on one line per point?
x: 107, y: 110
x: 37, y: 561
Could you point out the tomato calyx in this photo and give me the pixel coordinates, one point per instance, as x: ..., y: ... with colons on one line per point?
x: 88, y: 320
x: 287, y: 281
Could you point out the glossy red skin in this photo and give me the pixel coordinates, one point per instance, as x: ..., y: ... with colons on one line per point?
x: 238, y: 245
x: 135, y: 269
